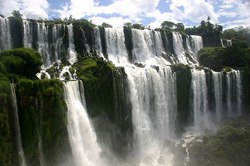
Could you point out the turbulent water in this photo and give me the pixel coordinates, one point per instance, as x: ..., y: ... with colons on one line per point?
x: 82, y: 136
x: 5, y: 36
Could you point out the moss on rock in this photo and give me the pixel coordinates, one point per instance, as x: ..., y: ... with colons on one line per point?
x: 5, y: 132
x: 22, y: 61
x: 183, y: 79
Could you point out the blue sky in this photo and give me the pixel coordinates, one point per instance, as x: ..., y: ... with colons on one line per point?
x: 229, y: 13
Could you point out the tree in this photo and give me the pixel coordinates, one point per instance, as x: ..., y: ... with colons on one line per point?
x: 180, y: 27
x: 106, y: 25
x: 128, y: 24
x: 16, y: 13
x: 138, y: 26
x: 168, y: 25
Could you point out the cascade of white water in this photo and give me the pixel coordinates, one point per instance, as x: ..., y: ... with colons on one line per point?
x: 82, y: 136
x: 5, y: 36
x: 158, y: 45
x: 17, y: 127
x: 71, y: 50
x: 178, y: 48
x: 153, y: 97
x: 218, y: 93
x: 238, y: 92
x: 116, y: 49
x: 98, y: 44
x: 226, y: 43
x: 42, y: 42
x: 200, y: 101
x: 57, y: 40
x: 143, y: 46
x: 196, y: 43
x: 27, y: 34
x: 233, y: 93
x: 229, y: 92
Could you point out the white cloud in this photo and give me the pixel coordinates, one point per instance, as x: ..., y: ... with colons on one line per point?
x: 240, y: 9
x: 78, y: 8
x: 193, y: 10
x: 114, y: 21
x: 29, y: 8
x: 161, y: 17
x: 35, y: 8
x: 7, y: 6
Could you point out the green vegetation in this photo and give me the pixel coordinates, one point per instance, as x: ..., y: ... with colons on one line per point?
x: 97, y: 76
x: 5, y: 134
x: 230, y: 146
x: 183, y: 79
x: 212, y: 57
x: 216, y: 58
x: 238, y: 34
x: 22, y: 61
x: 210, y: 33
x: 42, y: 111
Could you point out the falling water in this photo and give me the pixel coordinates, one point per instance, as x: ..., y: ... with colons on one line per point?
x: 82, y: 136
x: 5, y: 37
x: 57, y: 40
x: 27, y: 34
x: 143, y: 45
x: 71, y: 50
x: 218, y: 93
x: 98, y: 44
x: 158, y: 45
x: 200, y: 101
x: 178, y: 48
x: 233, y: 92
x: 116, y: 49
x: 153, y: 98
x: 229, y: 92
x: 17, y: 127
x: 196, y: 43
x: 238, y: 92
x: 226, y: 43
x: 43, y: 45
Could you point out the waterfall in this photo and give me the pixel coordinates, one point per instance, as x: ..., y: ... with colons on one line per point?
x: 98, y: 43
x: 199, y: 98
x: 5, y: 37
x: 153, y: 98
x: 233, y: 92
x: 27, y: 34
x: 218, y: 93
x: 57, y: 40
x: 196, y: 43
x: 158, y: 45
x: 42, y: 42
x: 143, y: 45
x: 17, y: 127
x: 178, y: 48
x: 71, y: 50
x: 82, y: 136
x: 116, y: 49
x: 238, y: 92
x: 226, y: 43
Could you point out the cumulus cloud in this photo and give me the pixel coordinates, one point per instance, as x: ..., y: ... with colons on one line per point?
x: 7, y: 6
x: 78, y: 8
x: 118, y: 12
x: 114, y: 21
x: 193, y: 10
x: 29, y: 8
x: 239, y: 10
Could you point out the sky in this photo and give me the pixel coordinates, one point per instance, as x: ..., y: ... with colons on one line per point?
x: 228, y: 13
